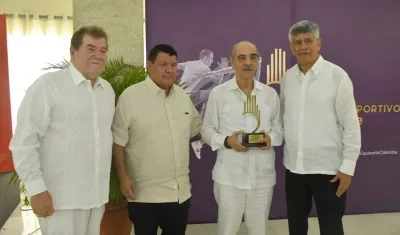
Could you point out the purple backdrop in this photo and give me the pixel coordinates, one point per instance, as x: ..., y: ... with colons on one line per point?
x: 363, y: 39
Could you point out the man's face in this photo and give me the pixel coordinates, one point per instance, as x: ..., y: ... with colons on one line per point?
x: 245, y: 62
x: 305, y: 47
x: 164, y: 70
x: 91, y: 56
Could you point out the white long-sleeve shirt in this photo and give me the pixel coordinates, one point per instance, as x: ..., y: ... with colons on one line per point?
x: 63, y: 140
x: 322, y: 131
x: 254, y: 168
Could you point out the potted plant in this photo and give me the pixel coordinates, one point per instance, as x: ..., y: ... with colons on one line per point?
x: 120, y: 75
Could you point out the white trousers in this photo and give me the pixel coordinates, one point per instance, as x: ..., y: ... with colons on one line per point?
x: 73, y: 222
x: 233, y: 203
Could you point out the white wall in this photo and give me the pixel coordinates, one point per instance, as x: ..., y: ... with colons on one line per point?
x: 54, y: 7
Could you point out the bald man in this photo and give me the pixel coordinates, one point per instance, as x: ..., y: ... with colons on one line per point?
x: 244, y: 177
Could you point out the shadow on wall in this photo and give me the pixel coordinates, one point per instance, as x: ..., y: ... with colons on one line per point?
x: 9, y: 199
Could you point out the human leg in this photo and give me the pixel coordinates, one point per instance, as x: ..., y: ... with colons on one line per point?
x: 330, y: 208
x: 231, y: 204
x: 174, y: 218
x: 145, y: 217
x: 65, y: 222
x: 94, y: 220
x: 298, y: 201
x: 258, y: 204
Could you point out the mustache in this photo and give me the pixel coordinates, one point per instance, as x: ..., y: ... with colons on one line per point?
x: 247, y: 67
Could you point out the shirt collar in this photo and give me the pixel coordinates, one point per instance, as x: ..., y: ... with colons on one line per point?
x: 78, y: 78
x: 315, y: 68
x: 232, y: 84
x: 154, y: 88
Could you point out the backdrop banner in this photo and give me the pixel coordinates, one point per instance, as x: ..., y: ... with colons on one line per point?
x: 362, y: 40
x: 6, y: 164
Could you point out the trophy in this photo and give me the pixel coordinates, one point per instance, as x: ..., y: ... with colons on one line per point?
x: 254, y: 138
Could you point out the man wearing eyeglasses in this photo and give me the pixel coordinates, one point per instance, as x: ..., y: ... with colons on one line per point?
x: 244, y: 177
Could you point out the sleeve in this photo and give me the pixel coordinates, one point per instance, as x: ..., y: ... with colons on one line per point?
x: 282, y: 100
x: 196, y: 124
x: 120, y: 126
x: 347, y: 116
x: 33, y: 120
x: 276, y: 121
x: 209, y: 131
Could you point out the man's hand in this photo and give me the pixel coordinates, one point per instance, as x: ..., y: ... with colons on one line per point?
x: 127, y: 187
x: 42, y: 204
x: 267, y: 140
x: 234, y: 143
x: 344, y: 183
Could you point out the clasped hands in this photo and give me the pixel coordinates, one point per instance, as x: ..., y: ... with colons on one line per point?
x: 235, y: 144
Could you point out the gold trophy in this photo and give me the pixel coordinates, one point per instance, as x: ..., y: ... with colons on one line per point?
x: 253, y: 139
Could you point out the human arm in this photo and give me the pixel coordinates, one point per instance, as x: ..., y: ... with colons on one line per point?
x: 282, y: 104
x: 276, y: 133
x: 211, y: 123
x: 32, y: 123
x: 120, y: 129
x: 346, y: 111
x: 195, y: 126
x: 210, y: 133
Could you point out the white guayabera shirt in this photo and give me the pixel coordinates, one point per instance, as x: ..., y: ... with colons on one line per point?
x: 63, y: 140
x: 322, y: 131
x: 254, y: 168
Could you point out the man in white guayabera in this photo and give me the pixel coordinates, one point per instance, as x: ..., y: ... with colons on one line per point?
x: 62, y: 146
x: 244, y: 177
x: 322, y: 134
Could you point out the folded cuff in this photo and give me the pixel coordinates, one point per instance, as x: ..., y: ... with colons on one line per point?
x: 35, y: 187
x: 348, y: 167
x: 119, y: 141
x: 219, y: 142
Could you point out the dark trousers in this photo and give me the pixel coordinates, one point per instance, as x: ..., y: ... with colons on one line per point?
x: 300, y: 189
x: 172, y: 217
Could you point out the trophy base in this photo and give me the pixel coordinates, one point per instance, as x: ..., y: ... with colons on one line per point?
x: 253, y: 140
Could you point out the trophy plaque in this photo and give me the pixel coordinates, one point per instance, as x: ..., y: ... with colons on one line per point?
x: 253, y: 139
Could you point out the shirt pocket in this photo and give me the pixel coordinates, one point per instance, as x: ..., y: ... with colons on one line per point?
x: 183, y: 121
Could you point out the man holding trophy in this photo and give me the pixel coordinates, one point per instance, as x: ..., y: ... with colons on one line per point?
x: 242, y: 122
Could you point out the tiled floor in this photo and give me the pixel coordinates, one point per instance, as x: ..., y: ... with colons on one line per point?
x: 373, y: 224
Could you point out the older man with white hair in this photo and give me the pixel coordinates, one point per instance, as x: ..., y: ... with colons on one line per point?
x: 321, y: 131
x: 244, y: 176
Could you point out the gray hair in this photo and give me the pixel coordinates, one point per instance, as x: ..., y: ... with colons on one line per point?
x: 304, y: 26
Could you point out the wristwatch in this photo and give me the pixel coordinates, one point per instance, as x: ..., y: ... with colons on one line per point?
x: 226, y: 143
